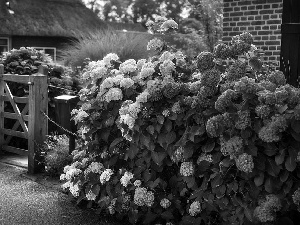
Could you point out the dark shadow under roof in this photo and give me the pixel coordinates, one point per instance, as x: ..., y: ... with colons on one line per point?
x: 65, y: 18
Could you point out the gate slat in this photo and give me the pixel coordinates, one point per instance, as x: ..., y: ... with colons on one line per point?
x: 17, y: 123
x: 15, y: 150
x: 16, y: 109
x: 14, y: 116
x: 16, y: 99
x: 14, y: 133
x: 24, y: 79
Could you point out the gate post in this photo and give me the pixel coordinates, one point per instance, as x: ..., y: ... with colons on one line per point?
x: 1, y: 105
x: 38, y: 123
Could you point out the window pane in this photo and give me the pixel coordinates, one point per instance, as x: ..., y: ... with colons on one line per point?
x: 3, y: 41
x: 3, y: 49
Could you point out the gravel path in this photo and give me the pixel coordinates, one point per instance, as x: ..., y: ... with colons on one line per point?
x: 23, y: 201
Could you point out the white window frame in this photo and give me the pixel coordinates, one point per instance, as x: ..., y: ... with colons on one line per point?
x: 8, y: 42
x: 49, y: 48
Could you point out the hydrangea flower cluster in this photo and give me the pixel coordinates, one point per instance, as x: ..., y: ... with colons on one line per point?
x: 205, y: 61
x: 243, y: 120
x: 177, y: 156
x: 125, y: 179
x: 265, y: 212
x: 236, y: 71
x: 128, y: 66
x: 169, y: 24
x: 165, y: 203
x: 91, y: 196
x: 225, y: 100
x: 94, y: 167
x: 187, y: 169
x: 296, y: 197
x: 222, y: 51
x: 142, y: 197
x: 195, y: 208
x: 155, y: 44
x: 233, y: 147
x: 271, y: 131
x: 244, y: 163
x: 106, y: 175
x: 204, y: 157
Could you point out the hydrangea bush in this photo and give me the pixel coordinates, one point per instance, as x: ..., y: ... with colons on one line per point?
x: 166, y: 141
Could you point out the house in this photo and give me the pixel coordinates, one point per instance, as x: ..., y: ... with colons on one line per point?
x: 44, y: 24
x: 275, y: 25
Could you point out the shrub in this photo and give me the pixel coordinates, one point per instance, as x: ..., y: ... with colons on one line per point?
x: 165, y: 143
x: 98, y: 44
x: 56, y: 154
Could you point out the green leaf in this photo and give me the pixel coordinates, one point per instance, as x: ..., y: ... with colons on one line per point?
x: 284, y: 175
x: 209, y: 146
x: 158, y: 157
x: 150, y: 129
x: 290, y: 164
x: 216, y: 181
x: 259, y: 180
x: 279, y: 159
x: 272, y: 168
x: 96, y: 189
x: 133, y: 150
x: 296, y: 126
x: 115, y: 142
x: 282, y: 109
x: 190, y: 181
x: 150, y: 217
x: 167, y: 215
x: 168, y: 125
x: 160, y: 119
x: 269, y: 185
x: 145, y: 140
x: 170, y: 137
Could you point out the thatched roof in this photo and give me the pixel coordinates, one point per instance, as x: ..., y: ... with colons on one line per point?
x: 127, y: 26
x: 64, y: 18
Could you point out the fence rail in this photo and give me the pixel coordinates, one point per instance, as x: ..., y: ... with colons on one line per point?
x: 30, y: 119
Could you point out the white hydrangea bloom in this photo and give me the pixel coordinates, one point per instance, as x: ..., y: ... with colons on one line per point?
x: 166, y: 56
x: 149, y: 198
x: 74, y: 189
x: 195, y: 208
x: 134, y: 109
x: 155, y: 44
x: 110, y: 57
x: 112, y: 206
x: 90, y: 196
x: 137, y: 183
x: 125, y: 179
x: 113, y: 94
x: 187, y: 169
x: 143, y: 97
x: 165, y: 203
x: 139, y: 196
x: 126, y: 82
x: 73, y: 173
x: 128, y: 66
x: 107, y: 83
x: 140, y: 63
x: 105, y: 176
x: 169, y: 24
x: 128, y: 120
x: 94, y: 167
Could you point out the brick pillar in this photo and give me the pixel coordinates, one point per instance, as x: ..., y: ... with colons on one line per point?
x: 262, y: 18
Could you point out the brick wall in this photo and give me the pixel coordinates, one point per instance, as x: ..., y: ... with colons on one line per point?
x: 262, y: 18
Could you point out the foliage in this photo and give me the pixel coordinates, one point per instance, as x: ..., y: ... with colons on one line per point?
x: 167, y: 143
x: 98, y: 44
x: 56, y: 154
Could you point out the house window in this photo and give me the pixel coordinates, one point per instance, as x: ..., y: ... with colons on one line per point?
x: 4, y: 44
x: 48, y: 50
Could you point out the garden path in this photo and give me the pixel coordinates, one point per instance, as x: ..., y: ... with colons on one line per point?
x: 26, y: 202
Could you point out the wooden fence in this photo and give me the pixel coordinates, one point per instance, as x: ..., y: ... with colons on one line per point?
x: 31, y: 119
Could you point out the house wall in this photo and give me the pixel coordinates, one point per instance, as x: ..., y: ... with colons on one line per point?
x: 262, y: 18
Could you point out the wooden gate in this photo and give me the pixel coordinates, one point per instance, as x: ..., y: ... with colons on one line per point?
x: 290, y: 42
x: 31, y: 119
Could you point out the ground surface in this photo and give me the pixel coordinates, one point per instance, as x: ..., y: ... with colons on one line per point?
x: 34, y: 200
